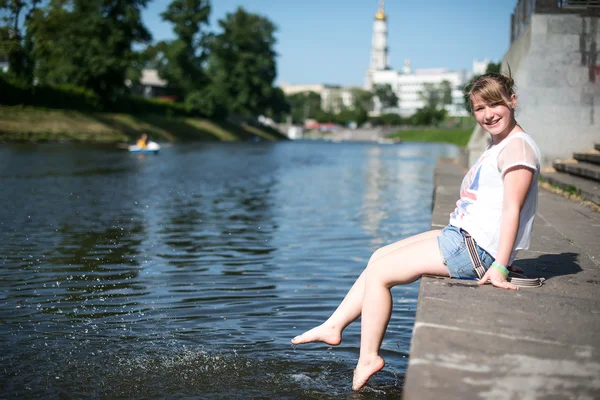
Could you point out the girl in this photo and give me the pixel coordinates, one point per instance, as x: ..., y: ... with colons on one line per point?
x: 497, y: 205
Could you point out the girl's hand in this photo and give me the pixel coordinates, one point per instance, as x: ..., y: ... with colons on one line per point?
x: 497, y: 279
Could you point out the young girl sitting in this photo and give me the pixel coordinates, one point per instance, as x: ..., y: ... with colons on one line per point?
x: 497, y: 206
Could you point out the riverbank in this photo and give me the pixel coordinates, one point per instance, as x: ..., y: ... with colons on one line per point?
x: 459, y: 137
x: 29, y: 124
x: 473, y: 341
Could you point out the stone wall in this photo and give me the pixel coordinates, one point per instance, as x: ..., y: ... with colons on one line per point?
x: 555, y: 65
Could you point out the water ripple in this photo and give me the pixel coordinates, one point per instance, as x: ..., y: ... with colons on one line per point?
x: 184, y: 274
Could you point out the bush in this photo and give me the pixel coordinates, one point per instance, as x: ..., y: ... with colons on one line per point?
x: 71, y: 97
x: 387, y: 119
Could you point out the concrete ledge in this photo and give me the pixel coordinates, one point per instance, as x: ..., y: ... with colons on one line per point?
x: 473, y: 341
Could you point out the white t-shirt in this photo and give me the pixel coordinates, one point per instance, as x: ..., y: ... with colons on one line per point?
x: 479, y: 209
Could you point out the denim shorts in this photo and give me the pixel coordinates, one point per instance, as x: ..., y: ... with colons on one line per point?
x: 456, y: 256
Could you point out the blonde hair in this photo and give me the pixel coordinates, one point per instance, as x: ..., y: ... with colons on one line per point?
x: 492, y: 88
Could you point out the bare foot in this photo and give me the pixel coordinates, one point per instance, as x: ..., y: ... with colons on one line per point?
x: 364, y: 370
x: 321, y: 333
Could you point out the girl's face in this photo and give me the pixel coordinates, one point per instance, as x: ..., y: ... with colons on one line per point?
x: 497, y: 119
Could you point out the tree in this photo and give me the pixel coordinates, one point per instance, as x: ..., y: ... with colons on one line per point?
x: 493, y: 67
x: 15, y: 37
x: 362, y: 99
x: 445, y: 88
x: 387, y: 97
x: 277, y: 105
x: 242, y: 63
x: 181, y: 62
x: 88, y: 42
x: 430, y: 95
x: 436, y: 96
x: 428, y: 116
x: 362, y: 103
x: 304, y: 105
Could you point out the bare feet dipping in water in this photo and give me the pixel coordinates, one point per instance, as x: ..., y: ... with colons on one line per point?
x: 321, y: 333
x: 365, y: 369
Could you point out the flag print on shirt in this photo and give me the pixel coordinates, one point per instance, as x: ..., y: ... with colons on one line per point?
x: 469, y: 190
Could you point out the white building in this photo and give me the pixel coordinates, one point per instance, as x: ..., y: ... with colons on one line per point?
x: 409, y: 86
x: 333, y: 97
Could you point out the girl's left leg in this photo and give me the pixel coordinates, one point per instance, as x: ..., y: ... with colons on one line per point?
x: 350, y: 308
x: 403, y: 265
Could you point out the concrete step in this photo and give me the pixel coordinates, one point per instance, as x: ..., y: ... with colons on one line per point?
x: 592, y: 157
x: 582, y: 169
x: 586, y: 188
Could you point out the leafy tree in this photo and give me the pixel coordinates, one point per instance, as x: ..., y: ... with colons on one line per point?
x: 428, y: 116
x: 436, y: 96
x: 181, y: 62
x: 208, y: 102
x: 304, y: 105
x: 88, y: 42
x: 15, y: 37
x: 387, y: 97
x: 277, y: 106
x: 445, y: 88
x: 362, y: 99
x: 493, y: 67
x: 242, y: 62
x: 387, y: 119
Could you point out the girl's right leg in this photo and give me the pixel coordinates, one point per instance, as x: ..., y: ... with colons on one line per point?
x: 350, y: 308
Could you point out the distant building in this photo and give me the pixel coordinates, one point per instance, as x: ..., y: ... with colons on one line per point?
x: 333, y: 97
x: 409, y: 85
x: 151, y: 85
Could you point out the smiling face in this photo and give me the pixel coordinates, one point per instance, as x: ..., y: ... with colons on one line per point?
x: 493, y: 102
x: 497, y: 118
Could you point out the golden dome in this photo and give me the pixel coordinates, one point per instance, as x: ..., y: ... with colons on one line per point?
x: 380, y: 15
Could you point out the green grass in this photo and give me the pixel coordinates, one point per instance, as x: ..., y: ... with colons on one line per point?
x: 29, y: 124
x: 459, y: 137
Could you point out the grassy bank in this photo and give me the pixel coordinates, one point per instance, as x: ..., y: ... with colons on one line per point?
x: 36, y: 124
x: 459, y: 137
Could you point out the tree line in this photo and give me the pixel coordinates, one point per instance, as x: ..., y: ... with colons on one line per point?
x: 97, y: 46
x: 82, y: 54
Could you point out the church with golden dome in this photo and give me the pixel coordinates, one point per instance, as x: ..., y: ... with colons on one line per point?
x: 408, y: 84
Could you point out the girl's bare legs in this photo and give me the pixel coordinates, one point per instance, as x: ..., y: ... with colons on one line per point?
x: 403, y: 265
x: 350, y: 308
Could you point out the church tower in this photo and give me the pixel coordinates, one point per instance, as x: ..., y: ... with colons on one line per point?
x: 379, y: 49
x: 379, y: 58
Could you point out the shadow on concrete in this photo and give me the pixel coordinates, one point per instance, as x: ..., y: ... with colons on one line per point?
x: 550, y: 265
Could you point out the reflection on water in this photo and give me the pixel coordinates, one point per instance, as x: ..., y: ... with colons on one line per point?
x: 187, y: 273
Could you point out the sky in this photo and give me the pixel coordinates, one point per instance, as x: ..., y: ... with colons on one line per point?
x: 329, y: 41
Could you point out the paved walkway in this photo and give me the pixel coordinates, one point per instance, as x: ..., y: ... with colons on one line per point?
x: 472, y: 342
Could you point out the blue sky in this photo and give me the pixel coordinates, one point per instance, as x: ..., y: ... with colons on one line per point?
x: 329, y: 41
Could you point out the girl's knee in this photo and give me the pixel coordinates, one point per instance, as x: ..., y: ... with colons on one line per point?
x: 377, y: 254
x: 375, y: 275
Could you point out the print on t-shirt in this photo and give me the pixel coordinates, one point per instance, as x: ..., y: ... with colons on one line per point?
x: 469, y: 190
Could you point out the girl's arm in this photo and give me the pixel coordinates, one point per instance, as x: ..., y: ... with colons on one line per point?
x: 516, y: 185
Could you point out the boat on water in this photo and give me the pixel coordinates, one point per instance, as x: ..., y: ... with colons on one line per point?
x: 151, y: 147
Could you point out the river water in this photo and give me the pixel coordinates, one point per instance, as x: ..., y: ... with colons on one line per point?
x: 186, y: 274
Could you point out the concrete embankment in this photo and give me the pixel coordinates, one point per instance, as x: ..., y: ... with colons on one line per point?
x: 473, y: 341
